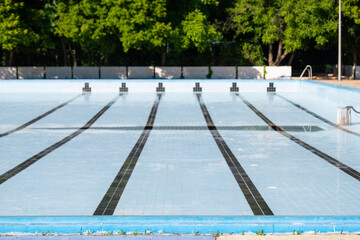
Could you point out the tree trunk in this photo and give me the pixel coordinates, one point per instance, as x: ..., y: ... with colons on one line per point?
x: 107, y: 59
x: 56, y: 59
x: 354, y: 65
x: 163, y: 58
x: 291, y: 59
x: 64, y: 52
x: 280, y: 56
x: 89, y: 57
x: 73, y: 54
x: 11, y: 58
x: 355, y: 57
x: 74, y: 57
x: 2, y: 57
x: 271, y: 57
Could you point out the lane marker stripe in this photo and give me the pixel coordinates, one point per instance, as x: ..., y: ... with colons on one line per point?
x: 113, y: 195
x: 252, y: 195
x: 318, y: 116
x: 296, y: 128
x: 38, y: 118
x: 343, y: 167
x: 22, y: 166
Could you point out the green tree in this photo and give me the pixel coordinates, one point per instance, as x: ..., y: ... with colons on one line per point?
x: 283, y: 26
x: 138, y: 24
x: 91, y: 32
x: 351, y: 9
x: 197, y: 31
x: 14, y: 31
x: 78, y: 23
x: 192, y: 28
x: 39, y: 14
x: 351, y: 25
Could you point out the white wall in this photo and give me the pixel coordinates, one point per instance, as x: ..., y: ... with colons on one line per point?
x: 278, y: 72
x: 58, y: 72
x: 113, y: 72
x: 86, y: 72
x: 168, y: 72
x: 31, y: 72
x: 251, y: 72
x: 147, y: 72
x: 7, y: 72
x: 141, y: 72
x: 223, y: 72
x: 195, y: 72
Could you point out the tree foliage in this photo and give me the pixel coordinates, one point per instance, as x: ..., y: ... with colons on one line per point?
x: 291, y: 25
x: 197, y: 32
x: 92, y: 32
x: 14, y: 31
x: 351, y: 19
x: 139, y: 24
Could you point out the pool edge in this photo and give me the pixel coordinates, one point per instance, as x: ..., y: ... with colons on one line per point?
x: 179, y: 225
x: 330, y: 85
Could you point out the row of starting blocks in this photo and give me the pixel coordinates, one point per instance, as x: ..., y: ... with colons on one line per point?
x: 161, y: 88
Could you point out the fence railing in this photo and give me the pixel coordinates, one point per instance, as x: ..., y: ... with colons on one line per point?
x: 349, y: 71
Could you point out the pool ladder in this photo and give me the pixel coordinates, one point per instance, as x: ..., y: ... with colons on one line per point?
x: 309, y: 69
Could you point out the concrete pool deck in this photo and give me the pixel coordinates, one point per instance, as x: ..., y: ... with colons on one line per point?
x: 192, y: 237
x: 292, y: 237
x: 347, y: 83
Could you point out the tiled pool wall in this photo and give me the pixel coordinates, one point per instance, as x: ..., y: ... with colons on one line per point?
x: 179, y: 224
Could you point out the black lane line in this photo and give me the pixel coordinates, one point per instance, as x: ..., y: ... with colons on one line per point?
x: 318, y: 116
x: 252, y: 195
x: 112, y: 196
x: 38, y: 118
x: 305, y: 128
x: 22, y: 166
x: 352, y: 172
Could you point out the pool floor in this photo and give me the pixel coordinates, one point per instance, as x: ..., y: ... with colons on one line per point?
x: 180, y: 153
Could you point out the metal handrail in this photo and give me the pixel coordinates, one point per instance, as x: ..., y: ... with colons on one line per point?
x: 309, y: 68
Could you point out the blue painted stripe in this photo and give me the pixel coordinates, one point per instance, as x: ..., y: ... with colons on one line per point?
x: 270, y: 224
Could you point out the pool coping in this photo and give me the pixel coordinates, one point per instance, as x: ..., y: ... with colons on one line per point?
x: 330, y: 85
x: 179, y: 224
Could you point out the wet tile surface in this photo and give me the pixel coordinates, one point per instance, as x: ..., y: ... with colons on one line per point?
x: 181, y: 169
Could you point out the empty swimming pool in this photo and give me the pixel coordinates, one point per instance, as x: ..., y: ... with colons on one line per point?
x: 176, y: 152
